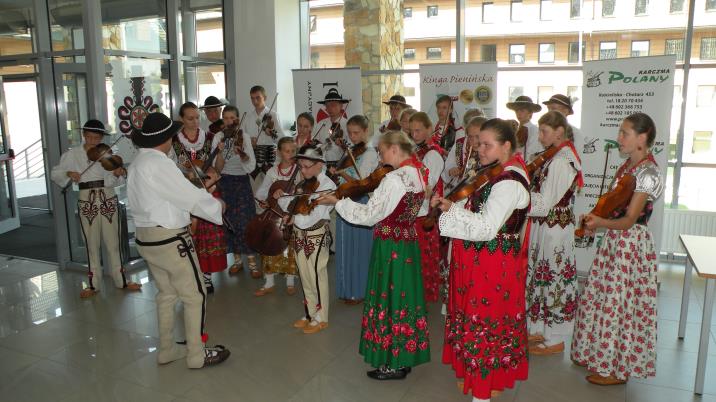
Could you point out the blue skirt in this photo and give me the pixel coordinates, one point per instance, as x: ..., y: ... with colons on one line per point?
x: 353, y: 248
x: 240, y: 209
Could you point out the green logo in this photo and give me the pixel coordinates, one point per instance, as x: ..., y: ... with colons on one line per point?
x: 657, y: 151
x: 610, y: 144
x: 658, y: 76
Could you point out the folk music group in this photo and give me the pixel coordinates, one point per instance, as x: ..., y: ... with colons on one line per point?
x: 478, y: 216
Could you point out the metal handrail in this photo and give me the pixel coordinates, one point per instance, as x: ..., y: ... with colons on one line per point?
x: 29, y: 162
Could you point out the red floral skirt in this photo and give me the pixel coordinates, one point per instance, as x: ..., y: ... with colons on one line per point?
x: 485, y: 328
x: 210, y: 243
x: 429, y: 242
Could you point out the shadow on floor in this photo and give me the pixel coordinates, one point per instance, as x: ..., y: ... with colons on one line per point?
x: 35, y: 238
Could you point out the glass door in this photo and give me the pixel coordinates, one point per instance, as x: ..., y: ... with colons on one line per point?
x: 9, y: 217
x: 72, y: 112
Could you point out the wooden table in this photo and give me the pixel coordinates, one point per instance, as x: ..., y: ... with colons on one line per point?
x: 701, y: 255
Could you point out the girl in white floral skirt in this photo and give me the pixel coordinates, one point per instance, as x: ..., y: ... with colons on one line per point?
x: 615, y: 329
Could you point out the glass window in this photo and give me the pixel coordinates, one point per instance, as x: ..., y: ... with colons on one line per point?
x: 573, y: 93
x: 546, y: 52
x: 676, y: 6
x: 66, y: 24
x: 326, y: 42
x: 141, y: 29
x: 17, y: 20
x: 608, y: 8
x: 516, y: 10
x: 201, y: 28
x: 517, y: 54
x: 708, y: 49
x: 408, y: 12
x: 607, y: 50
x: 544, y: 93
x: 545, y: 10
x: 705, y: 95
x: 312, y: 23
x: 409, y: 53
x: 701, y: 141
x: 675, y: 46
x: 641, y: 7
x: 432, y: 11
x: 514, y: 92
x: 639, y: 48
x: 575, y: 8
x: 434, y: 53
x: 488, y: 16
x: 315, y: 59
x: 488, y: 53
x: 573, y: 56
x: 710, y: 5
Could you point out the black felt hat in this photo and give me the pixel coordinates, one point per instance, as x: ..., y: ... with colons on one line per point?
x: 212, y: 101
x: 524, y: 102
x: 94, y: 126
x: 333, y: 96
x: 156, y: 129
x: 396, y: 99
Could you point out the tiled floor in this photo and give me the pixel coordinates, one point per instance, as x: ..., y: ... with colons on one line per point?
x: 56, y: 347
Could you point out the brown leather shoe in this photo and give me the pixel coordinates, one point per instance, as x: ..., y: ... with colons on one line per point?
x: 264, y: 291
x: 312, y: 329
x: 235, y: 268
x: 300, y: 324
x: 541, y: 349
x: 256, y: 274
x: 290, y: 290
x: 133, y: 286
x: 87, y: 293
x: 608, y: 380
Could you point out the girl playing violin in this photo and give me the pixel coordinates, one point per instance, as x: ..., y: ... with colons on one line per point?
x: 235, y: 165
x: 551, y: 266
x: 192, y: 146
x: 615, y: 331
x: 282, y: 263
x: 394, y: 330
x: 485, y: 328
x: 430, y: 154
x: 304, y: 129
x: 353, y: 243
x: 463, y: 155
x: 311, y: 237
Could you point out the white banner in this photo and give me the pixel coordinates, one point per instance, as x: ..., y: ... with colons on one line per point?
x: 311, y: 86
x: 470, y: 85
x: 614, y: 89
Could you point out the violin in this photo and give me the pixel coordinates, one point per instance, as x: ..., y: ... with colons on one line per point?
x: 265, y: 232
x: 235, y: 136
x: 102, y: 153
x: 358, y: 188
x: 542, y: 158
x: 267, y: 122
x: 393, y: 125
x: 347, y: 161
x: 217, y: 126
x: 336, y: 132
x: 611, y: 201
x: 464, y: 189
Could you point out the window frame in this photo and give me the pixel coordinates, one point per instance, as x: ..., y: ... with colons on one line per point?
x: 648, y: 47
x: 405, y: 51
x: 491, y: 4
x: 616, y: 49
x: 571, y: 9
x: 539, y: 53
x: 524, y: 51
x: 512, y: 10
x: 614, y: 8
x: 407, y: 10
x: 432, y: 7
x: 646, y: 8
x: 427, y: 53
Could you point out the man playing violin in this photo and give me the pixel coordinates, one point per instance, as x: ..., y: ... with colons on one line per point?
x: 212, y: 111
x: 333, y: 131
x: 97, y: 207
x: 396, y: 105
x: 267, y: 131
x: 311, y: 237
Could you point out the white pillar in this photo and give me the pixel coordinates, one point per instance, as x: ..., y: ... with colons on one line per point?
x: 262, y: 47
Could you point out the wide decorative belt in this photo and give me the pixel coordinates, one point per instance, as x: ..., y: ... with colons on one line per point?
x: 318, y: 225
x: 86, y: 185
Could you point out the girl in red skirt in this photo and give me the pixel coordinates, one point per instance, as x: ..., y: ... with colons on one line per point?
x: 431, y: 155
x: 192, y: 144
x: 485, y: 328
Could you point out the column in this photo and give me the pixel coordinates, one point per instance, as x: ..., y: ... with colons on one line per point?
x: 374, y: 41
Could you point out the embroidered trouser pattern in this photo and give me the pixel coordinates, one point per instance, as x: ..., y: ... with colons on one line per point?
x: 99, y: 220
x: 312, y: 254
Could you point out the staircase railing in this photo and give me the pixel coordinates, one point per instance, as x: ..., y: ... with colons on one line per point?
x: 29, y: 163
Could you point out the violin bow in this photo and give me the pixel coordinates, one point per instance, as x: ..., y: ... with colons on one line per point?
x: 69, y: 183
x: 228, y: 224
x: 355, y: 165
x: 262, y: 125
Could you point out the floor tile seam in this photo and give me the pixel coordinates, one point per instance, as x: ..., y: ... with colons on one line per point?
x: 641, y: 381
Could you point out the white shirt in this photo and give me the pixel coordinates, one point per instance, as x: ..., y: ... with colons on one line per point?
x: 321, y: 212
x: 533, y: 145
x: 273, y: 175
x: 578, y: 140
x: 435, y: 164
x: 233, y: 164
x: 367, y: 163
x: 75, y: 160
x: 253, y: 129
x: 563, y: 167
x: 159, y: 195
x: 505, y: 197
x: 331, y: 151
x: 385, y: 198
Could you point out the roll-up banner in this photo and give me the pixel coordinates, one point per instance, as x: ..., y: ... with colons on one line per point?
x: 614, y: 89
x: 312, y: 85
